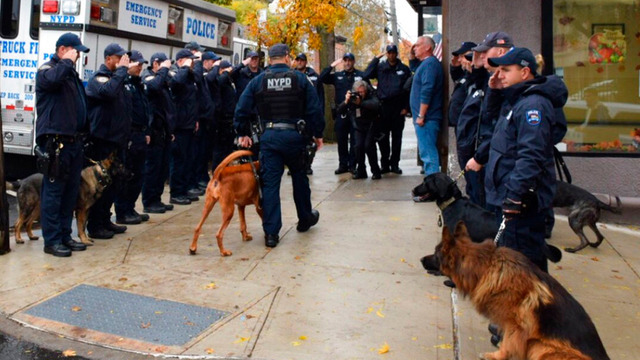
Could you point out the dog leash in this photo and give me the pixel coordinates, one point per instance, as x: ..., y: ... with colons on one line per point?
x: 503, y: 225
x: 455, y: 181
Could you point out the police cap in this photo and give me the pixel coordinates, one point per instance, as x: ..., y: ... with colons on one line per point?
x: 516, y: 56
x: 464, y: 48
x: 114, y: 49
x: 278, y: 50
x: 210, y: 55
x: 349, y: 56
x: 159, y: 57
x: 392, y: 48
x: 184, y: 53
x: 301, y: 56
x: 136, y: 56
x: 72, y: 40
x: 192, y: 45
x: 495, y: 39
x: 252, y: 54
x: 225, y: 64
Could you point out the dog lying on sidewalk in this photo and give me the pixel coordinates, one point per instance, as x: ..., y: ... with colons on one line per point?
x: 539, y: 319
x: 230, y: 185
x: 95, y: 179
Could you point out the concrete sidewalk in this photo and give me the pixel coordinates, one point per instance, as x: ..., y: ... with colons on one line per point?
x: 342, y: 290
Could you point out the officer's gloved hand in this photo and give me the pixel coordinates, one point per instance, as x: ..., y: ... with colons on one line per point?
x: 511, y: 208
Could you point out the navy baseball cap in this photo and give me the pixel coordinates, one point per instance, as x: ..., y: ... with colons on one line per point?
x: 516, y: 56
x: 185, y: 53
x: 114, y: 49
x: 136, y: 56
x: 392, y: 48
x: 278, y: 50
x: 301, y: 56
x: 255, y: 54
x: 210, y: 55
x: 464, y: 48
x: 349, y: 56
x: 495, y: 39
x: 72, y: 40
x: 192, y: 45
x: 159, y: 57
x: 225, y: 64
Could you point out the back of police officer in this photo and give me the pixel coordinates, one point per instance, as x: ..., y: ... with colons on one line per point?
x: 211, y: 93
x: 283, y: 97
x: 391, y: 75
x: 184, y: 90
x: 135, y: 152
x: 343, y: 81
x: 61, y: 106
x: 521, y: 177
x: 110, y: 116
x: 301, y: 65
x: 156, y: 80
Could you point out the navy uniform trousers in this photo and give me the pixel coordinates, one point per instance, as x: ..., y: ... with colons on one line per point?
x: 277, y: 149
x: 134, y: 158
x: 157, y: 170
x: 181, y: 162
x: 100, y: 212
x: 59, y: 196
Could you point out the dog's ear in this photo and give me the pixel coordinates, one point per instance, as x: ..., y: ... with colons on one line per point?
x: 447, y: 238
x: 442, y: 183
x: 461, y: 230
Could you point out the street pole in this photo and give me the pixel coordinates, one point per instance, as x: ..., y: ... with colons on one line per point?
x: 394, y: 21
x: 4, y: 205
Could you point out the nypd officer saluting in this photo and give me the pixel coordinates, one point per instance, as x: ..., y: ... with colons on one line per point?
x: 161, y: 131
x: 110, y: 116
x: 61, y: 105
x: 520, y: 176
x: 283, y: 98
x: 345, y: 130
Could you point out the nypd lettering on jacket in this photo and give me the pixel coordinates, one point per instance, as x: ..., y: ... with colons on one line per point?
x: 279, y: 84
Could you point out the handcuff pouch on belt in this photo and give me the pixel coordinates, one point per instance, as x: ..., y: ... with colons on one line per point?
x: 48, y: 158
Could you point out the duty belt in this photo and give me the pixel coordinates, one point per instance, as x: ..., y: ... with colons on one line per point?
x: 68, y: 138
x: 272, y: 125
x: 138, y: 128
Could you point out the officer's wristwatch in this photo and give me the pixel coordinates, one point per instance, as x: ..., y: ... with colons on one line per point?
x: 420, y: 117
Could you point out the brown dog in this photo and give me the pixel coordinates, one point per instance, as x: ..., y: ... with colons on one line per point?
x: 540, y: 320
x: 230, y: 185
x: 95, y: 179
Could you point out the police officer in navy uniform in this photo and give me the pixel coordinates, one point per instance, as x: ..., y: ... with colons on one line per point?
x: 284, y: 98
x: 392, y: 75
x: 110, y: 117
x: 135, y: 153
x: 207, y: 124
x: 520, y: 178
x: 224, y: 129
x: 184, y: 90
x: 301, y: 65
x: 345, y: 131
x: 246, y: 71
x: 61, y: 106
x: 459, y: 75
x: 156, y: 80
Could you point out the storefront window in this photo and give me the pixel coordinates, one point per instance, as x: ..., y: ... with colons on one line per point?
x: 597, y: 53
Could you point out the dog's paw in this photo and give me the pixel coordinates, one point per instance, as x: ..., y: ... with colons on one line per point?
x: 192, y: 251
x: 247, y: 237
x: 226, y: 252
x: 19, y: 241
x: 34, y: 238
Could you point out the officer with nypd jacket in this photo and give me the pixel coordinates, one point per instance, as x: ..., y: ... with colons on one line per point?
x: 156, y: 80
x: 61, y: 106
x: 185, y: 96
x: 283, y: 97
x: 110, y: 117
x: 345, y: 131
x: 135, y: 152
x: 520, y: 177
x: 301, y: 65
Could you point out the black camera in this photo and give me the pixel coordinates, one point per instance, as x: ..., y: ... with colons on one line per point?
x: 354, y: 96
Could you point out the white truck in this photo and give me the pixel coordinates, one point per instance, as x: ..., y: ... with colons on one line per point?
x: 29, y: 30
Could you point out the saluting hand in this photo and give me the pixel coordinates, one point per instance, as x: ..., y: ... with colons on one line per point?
x: 166, y: 64
x: 494, y: 82
x: 246, y: 61
x: 124, y: 61
x: 336, y: 63
x: 216, y: 63
x: 455, y: 61
x: 381, y: 55
x: 187, y: 63
x: 71, y: 55
x: 133, y: 64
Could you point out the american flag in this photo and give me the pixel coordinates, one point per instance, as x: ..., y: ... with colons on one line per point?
x: 437, y: 52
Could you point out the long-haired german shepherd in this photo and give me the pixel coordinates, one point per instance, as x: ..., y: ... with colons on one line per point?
x: 540, y: 320
x: 95, y: 179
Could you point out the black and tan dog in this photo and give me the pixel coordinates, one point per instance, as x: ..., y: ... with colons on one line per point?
x: 95, y: 179
x: 539, y: 318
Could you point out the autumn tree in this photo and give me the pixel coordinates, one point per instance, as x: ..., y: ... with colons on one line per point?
x: 364, y: 27
x: 245, y: 8
x: 220, y: 2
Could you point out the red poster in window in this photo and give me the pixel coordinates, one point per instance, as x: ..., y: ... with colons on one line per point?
x: 609, y: 47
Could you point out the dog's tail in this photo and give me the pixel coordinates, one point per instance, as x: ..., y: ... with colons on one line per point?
x: 616, y: 210
x: 13, y: 185
x: 228, y: 160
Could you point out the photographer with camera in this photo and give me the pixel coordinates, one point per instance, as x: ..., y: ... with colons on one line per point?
x: 361, y: 107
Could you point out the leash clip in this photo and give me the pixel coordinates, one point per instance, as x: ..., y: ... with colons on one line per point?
x: 503, y: 225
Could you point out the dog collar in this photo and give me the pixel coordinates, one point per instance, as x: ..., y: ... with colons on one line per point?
x: 446, y: 204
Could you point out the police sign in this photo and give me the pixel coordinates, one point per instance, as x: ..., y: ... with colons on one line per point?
x: 201, y: 28
x: 149, y: 17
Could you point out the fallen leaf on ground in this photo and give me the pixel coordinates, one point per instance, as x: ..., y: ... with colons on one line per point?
x: 559, y: 267
x: 244, y: 259
x: 69, y: 353
x: 402, y: 260
x: 379, y: 313
x: 295, y: 343
x: 189, y: 323
x: 414, y: 338
x: 250, y: 316
x: 384, y: 349
x: 76, y: 308
x: 210, y: 286
x: 209, y: 350
x: 618, y: 277
x: 123, y: 279
x: 145, y: 325
x: 242, y: 339
x: 369, y: 310
x: 297, y: 257
x: 595, y: 258
x: 446, y: 346
x: 303, y: 337
x: 158, y: 312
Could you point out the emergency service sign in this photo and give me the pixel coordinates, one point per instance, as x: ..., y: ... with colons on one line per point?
x: 149, y: 17
x: 201, y: 28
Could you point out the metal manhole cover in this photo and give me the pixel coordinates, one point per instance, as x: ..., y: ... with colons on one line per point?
x: 128, y: 315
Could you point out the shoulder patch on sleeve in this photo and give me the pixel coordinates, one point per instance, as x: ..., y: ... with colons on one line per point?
x: 102, y: 79
x: 534, y: 117
x: 172, y: 73
x: 149, y: 77
x: 45, y: 67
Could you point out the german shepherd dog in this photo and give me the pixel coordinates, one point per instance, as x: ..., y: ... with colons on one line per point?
x: 482, y: 224
x: 539, y: 318
x: 230, y: 185
x: 95, y: 179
